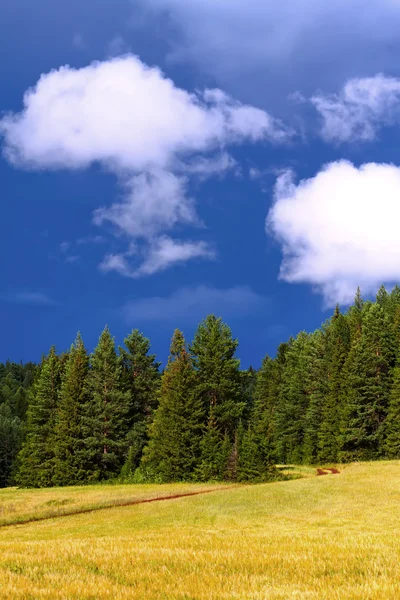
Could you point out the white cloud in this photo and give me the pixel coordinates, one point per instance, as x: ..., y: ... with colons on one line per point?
x: 154, y: 201
x: 159, y: 255
x: 258, y: 46
x: 339, y: 229
x: 189, y: 305
x: 360, y: 109
x: 166, y: 252
x: 134, y: 121
x: 32, y: 298
x: 125, y: 115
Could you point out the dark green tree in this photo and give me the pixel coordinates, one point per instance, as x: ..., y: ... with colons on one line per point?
x: 104, y: 413
x: 218, y: 377
x: 369, y: 380
x: 36, y: 459
x: 141, y: 379
x: 392, y: 425
x: 68, y: 435
x: 337, y: 352
x: 173, y: 452
x: 11, y: 432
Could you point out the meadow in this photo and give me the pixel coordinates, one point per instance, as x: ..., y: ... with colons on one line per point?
x: 329, y: 537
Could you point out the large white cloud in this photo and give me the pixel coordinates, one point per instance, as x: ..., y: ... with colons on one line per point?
x: 339, y: 229
x: 361, y: 108
x: 134, y: 121
x: 258, y: 46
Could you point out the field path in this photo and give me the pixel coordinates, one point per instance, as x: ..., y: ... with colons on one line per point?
x: 115, y: 504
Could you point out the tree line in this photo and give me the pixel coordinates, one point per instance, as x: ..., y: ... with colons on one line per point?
x: 327, y: 396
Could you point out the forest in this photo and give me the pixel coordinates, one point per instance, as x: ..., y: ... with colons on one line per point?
x: 329, y: 396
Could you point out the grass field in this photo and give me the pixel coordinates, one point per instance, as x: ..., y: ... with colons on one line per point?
x: 330, y: 537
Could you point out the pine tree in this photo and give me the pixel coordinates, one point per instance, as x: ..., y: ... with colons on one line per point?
x: 318, y: 391
x: 173, y: 452
x: 369, y: 379
x: 392, y: 424
x: 215, y: 450
x: 104, y: 413
x: 141, y: 379
x: 294, y: 401
x: 218, y: 380
x: 11, y: 433
x: 36, y: 458
x: 68, y: 438
x: 337, y: 352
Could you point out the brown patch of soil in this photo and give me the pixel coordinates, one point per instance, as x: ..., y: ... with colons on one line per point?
x: 331, y: 471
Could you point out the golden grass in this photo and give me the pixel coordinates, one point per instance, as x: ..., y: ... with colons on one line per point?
x: 331, y: 537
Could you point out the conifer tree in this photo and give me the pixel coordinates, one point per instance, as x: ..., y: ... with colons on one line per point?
x: 218, y: 380
x: 173, y: 452
x: 337, y: 352
x: 68, y: 436
x: 317, y: 394
x: 104, y: 413
x: 293, y: 401
x: 392, y: 424
x: 369, y: 379
x: 36, y: 458
x: 141, y: 379
x: 10, y: 441
x: 215, y: 450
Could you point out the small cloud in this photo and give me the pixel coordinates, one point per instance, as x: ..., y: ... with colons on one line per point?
x: 189, y: 305
x: 72, y: 259
x: 78, y: 42
x: 117, y: 47
x: 65, y: 246
x: 360, y: 109
x: 32, y: 298
x: 91, y: 239
x: 160, y: 255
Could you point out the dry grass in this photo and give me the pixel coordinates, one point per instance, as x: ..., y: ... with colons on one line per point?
x: 332, y: 537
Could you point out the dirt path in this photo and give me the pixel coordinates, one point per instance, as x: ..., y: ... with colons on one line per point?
x: 327, y: 472
x: 117, y: 504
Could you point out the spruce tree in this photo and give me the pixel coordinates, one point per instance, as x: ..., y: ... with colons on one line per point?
x: 337, y: 352
x: 218, y: 378
x: 141, y: 379
x: 215, y: 450
x: 11, y: 432
x: 104, y: 413
x: 36, y: 458
x: 294, y: 401
x: 392, y: 424
x: 369, y: 379
x: 173, y: 452
x: 317, y: 394
x: 68, y: 438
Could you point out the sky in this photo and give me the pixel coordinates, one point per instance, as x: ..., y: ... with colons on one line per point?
x: 166, y: 159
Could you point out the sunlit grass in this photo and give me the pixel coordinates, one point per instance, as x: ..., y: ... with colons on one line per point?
x: 327, y: 537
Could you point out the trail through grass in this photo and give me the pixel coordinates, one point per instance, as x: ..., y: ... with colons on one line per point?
x: 331, y: 537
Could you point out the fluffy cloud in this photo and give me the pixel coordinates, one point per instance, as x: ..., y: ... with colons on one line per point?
x: 192, y: 304
x: 256, y: 46
x: 339, y: 229
x: 134, y: 121
x: 162, y: 253
x: 360, y: 109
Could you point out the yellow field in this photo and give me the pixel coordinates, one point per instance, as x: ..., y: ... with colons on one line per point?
x: 330, y: 537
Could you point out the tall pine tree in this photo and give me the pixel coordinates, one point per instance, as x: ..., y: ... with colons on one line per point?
x: 173, y: 452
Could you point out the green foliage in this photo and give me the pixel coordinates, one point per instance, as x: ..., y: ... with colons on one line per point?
x: 173, y: 452
x: 68, y: 435
x: 332, y: 395
x: 37, y: 453
x: 104, y: 414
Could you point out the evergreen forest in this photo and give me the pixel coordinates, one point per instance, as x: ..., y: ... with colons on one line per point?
x: 329, y: 396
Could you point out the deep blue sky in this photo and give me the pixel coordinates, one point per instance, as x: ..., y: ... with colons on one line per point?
x: 50, y: 282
